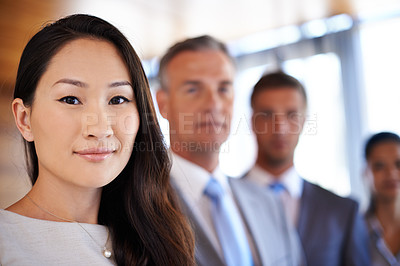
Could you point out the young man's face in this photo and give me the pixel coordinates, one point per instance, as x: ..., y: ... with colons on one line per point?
x: 278, y: 119
x: 198, y: 100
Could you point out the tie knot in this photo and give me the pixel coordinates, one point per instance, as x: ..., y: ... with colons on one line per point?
x: 214, y: 189
x: 277, y: 187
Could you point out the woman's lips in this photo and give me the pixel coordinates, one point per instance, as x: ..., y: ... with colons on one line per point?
x: 95, y: 155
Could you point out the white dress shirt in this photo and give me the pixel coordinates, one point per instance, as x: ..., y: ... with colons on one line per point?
x: 191, y: 180
x: 293, y: 188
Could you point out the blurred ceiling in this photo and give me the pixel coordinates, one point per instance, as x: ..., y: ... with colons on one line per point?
x: 153, y: 25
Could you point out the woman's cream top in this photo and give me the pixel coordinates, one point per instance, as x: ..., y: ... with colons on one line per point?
x: 28, y: 241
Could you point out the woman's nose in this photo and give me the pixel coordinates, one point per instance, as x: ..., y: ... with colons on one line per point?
x: 98, y: 124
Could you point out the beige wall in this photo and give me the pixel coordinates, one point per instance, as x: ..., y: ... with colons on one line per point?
x: 14, y: 182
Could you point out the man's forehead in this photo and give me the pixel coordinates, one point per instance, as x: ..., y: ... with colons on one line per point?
x: 195, y: 59
x: 200, y: 69
x: 281, y: 97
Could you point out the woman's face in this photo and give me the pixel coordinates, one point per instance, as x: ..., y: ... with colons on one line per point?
x: 84, y: 118
x: 384, y: 164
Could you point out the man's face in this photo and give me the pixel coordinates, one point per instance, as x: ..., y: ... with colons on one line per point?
x: 278, y: 119
x: 198, y: 99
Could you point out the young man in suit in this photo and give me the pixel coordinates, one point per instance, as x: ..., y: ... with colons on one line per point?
x: 233, y: 227
x: 329, y: 226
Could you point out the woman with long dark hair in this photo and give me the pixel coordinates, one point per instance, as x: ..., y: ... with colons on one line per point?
x: 95, y: 154
x: 382, y: 153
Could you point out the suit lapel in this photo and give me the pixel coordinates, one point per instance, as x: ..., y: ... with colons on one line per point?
x: 205, y: 253
x: 306, y: 207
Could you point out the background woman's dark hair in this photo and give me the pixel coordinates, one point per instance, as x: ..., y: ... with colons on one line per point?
x: 372, y: 142
x: 139, y: 206
x: 377, y: 139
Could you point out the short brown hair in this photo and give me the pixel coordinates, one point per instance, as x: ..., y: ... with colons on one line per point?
x: 200, y: 43
x: 276, y: 80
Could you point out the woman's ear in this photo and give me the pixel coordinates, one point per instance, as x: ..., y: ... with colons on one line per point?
x: 22, y: 117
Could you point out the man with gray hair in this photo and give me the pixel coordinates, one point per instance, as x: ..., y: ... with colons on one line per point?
x: 235, y: 222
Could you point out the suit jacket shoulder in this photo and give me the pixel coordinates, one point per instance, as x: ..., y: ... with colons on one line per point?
x: 205, y: 252
x: 331, y: 229
x: 326, y: 196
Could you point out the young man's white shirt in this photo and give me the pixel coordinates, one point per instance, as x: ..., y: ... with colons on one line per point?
x: 292, y: 182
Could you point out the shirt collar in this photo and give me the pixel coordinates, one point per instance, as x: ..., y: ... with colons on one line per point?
x: 375, y: 226
x: 290, y: 179
x: 192, y: 179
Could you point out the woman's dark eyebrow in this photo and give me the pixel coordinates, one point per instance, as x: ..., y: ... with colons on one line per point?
x: 72, y: 82
x: 120, y: 83
x: 85, y: 85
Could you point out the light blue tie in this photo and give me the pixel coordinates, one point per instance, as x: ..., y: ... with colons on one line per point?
x: 229, y: 226
x: 277, y: 187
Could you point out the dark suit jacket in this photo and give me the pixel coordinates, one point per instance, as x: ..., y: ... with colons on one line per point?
x: 276, y: 242
x: 331, y: 230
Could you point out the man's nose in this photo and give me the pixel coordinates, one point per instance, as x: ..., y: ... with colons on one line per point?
x: 280, y: 124
x: 212, y: 101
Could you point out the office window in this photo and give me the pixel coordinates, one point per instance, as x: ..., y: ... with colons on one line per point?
x: 380, y: 46
x: 320, y: 156
x: 238, y: 153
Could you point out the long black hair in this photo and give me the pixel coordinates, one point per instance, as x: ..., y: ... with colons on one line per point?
x: 139, y: 206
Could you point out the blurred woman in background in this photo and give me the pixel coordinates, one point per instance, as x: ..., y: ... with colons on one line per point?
x: 382, y: 153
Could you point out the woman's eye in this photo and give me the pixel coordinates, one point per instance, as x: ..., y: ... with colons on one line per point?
x: 118, y: 100
x: 70, y: 100
x: 378, y: 166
